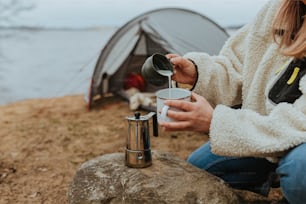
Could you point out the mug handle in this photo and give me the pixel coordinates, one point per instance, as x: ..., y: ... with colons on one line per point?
x: 163, y: 114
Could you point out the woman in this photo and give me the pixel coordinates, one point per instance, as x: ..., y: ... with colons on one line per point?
x: 262, y: 69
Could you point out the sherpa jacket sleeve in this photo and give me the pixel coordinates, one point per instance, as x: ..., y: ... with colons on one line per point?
x: 246, y: 132
x: 220, y: 77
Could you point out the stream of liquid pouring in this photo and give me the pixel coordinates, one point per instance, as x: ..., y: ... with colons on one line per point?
x: 167, y: 73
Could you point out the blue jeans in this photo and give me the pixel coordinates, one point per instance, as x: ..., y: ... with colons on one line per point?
x: 250, y: 173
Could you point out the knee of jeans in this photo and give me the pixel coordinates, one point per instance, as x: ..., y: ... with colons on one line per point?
x: 197, y: 160
x: 292, y: 177
x: 293, y: 181
x: 192, y: 159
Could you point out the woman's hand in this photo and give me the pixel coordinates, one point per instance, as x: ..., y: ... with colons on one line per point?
x: 184, y: 70
x: 196, y: 116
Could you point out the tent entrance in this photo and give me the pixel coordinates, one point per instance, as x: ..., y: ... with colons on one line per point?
x: 144, y: 48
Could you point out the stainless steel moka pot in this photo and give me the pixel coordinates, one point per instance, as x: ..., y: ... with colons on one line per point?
x: 138, y: 150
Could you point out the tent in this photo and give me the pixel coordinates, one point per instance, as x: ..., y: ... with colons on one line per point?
x: 167, y: 30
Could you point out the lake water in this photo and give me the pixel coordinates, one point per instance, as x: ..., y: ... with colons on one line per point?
x: 48, y: 63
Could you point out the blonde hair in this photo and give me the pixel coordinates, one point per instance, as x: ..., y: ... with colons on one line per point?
x: 290, y: 24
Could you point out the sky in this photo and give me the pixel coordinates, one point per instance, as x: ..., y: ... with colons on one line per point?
x: 93, y: 13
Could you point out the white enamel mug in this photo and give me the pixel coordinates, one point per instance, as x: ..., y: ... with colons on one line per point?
x: 169, y: 94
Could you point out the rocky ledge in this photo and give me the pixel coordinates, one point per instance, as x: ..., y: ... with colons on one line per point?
x: 106, y: 179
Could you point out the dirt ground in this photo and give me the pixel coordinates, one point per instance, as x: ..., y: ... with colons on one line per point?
x: 44, y: 141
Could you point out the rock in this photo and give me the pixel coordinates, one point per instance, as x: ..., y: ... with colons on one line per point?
x: 169, y: 180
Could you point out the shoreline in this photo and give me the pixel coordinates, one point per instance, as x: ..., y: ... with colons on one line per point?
x: 78, y: 70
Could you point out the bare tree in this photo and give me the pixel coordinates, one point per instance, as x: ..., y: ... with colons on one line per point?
x: 11, y: 9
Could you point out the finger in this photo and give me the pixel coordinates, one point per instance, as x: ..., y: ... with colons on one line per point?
x: 195, y: 97
x: 177, y: 60
x: 180, y: 104
x: 169, y: 56
x: 175, y: 126
x: 178, y: 115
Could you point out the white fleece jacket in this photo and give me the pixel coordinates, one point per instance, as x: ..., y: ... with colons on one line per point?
x: 243, y: 73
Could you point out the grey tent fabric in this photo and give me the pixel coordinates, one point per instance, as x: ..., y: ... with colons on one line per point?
x: 167, y: 30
